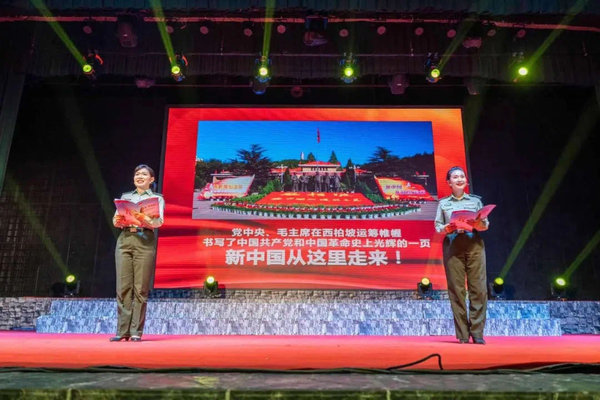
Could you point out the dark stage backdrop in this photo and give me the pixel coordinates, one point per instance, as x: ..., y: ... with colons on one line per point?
x: 75, y: 148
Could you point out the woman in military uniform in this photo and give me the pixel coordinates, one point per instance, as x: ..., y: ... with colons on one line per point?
x: 464, y: 255
x: 134, y: 257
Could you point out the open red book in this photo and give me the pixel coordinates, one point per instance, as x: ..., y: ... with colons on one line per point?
x: 461, y: 218
x: 127, y: 209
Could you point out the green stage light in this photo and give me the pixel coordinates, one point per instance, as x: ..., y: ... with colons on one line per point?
x: 87, y: 69
x: 179, y: 67
x: 558, y: 289
x: 348, y: 71
x: 425, y: 289
x: 523, y: 71
x: 71, y: 286
x: 211, y: 287
x: 496, y: 289
x: 263, y: 71
x: 434, y: 74
x: 433, y: 71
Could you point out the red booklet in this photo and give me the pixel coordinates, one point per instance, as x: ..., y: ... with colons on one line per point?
x: 461, y: 218
x: 127, y: 208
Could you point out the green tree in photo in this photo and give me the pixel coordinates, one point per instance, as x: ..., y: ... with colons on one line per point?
x: 204, y: 169
x: 381, y: 155
x: 333, y: 158
x: 253, y: 162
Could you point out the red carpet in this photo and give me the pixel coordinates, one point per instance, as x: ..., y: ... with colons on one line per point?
x: 27, y: 349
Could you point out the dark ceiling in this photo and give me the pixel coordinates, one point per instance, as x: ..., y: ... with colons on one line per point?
x: 561, y: 39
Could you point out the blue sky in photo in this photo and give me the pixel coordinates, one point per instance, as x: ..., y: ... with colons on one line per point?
x: 288, y: 139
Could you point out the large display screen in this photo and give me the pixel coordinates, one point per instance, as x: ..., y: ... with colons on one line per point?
x: 305, y: 198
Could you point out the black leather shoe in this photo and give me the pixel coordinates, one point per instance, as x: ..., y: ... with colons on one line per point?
x: 478, y: 340
x: 463, y: 341
x: 136, y: 339
x: 119, y: 338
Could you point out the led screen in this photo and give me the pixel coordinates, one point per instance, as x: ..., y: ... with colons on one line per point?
x: 305, y: 198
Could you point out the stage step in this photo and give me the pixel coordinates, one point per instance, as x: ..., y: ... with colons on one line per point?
x: 230, y: 317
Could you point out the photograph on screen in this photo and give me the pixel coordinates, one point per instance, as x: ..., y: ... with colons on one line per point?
x: 314, y: 169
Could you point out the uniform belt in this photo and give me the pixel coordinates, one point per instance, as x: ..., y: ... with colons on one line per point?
x: 135, y: 229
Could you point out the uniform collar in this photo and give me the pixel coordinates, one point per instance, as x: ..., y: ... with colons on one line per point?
x: 148, y: 192
x: 464, y: 197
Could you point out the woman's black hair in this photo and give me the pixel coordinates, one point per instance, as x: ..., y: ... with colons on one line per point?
x: 451, y: 170
x: 144, y: 166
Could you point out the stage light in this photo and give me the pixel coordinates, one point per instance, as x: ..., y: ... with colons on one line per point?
x: 281, y: 29
x: 496, y: 289
x: 205, y: 27
x: 262, y: 69
x: 248, y: 28
x: 558, y: 289
x: 432, y: 72
x: 344, y: 32
x: 92, y: 64
x: 348, y: 69
x: 381, y: 30
x: 523, y: 70
x: 71, y: 286
x: 418, y: 30
x: 211, y: 287
x: 519, y: 67
x: 451, y: 33
x: 179, y: 67
x: 87, y: 28
x: 262, y: 75
x: 425, y: 289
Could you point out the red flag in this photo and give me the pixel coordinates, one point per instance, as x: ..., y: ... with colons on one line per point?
x: 318, y: 136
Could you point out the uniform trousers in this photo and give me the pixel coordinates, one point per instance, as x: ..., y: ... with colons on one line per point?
x: 464, y: 255
x: 134, y: 259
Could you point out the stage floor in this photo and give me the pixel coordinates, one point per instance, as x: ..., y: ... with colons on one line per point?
x: 77, y: 351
